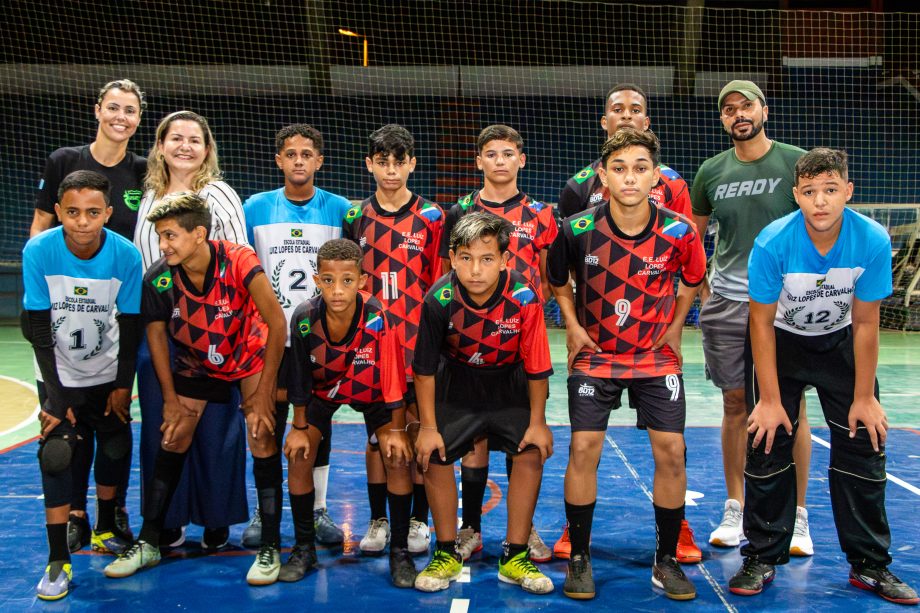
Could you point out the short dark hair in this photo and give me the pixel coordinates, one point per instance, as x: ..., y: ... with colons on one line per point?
x: 85, y: 179
x: 392, y: 139
x: 626, y: 87
x: 499, y: 132
x: 479, y: 225
x: 301, y: 129
x: 631, y: 137
x: 821, y: 160
x: 188, y: 209
x: 340, y: 250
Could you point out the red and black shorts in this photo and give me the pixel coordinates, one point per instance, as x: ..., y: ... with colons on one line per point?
x: 659, y: 402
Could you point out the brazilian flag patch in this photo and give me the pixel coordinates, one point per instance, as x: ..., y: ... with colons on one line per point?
x: 304, y: 327
x: 466, y: 202
x: 584, y: 175
x: 444, y: 295
x: 296, y: 233
x: 582, y: 224
x: 80, y: 291
x: 163, y: 282
x: 353, y: 213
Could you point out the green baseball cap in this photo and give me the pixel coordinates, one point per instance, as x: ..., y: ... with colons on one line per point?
x: 748, y: 89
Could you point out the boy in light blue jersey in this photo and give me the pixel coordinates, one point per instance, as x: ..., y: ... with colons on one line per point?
x: 817, y: 278
x: 286, y: 227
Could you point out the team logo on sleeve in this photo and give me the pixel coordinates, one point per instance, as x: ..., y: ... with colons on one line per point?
x: 303, y: 326
x: 163, y: 282
x: 132, y: 198
x: 222, y: 269
x: 80, y: 291
x: 582, y: 224
x: 374, y: 322
x: 296, y: 233
x: 523, y: 294
x: 430, y: 212
x: 444, y: 295
x: 674, y: 227
x: 536, y: 205
x: 353, y: 213
x: 584, y: 175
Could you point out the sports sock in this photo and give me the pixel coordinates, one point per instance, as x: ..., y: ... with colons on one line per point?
x: 419, y: 503
x: 302, y: 512
x: 473, y: 481
x: 448, y: 547
x: 268, y: 477
x: 509, y: 550
x: 166, y: 474
x: 105, y: 515
x: 667, y: 531
x: 320, y: 482
x: 399, y: 519
x: 377, y: 497
x: 580, y: 518
x: 57, y: 543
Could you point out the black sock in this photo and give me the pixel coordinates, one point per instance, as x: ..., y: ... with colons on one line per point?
x: 377, y: 497
x: 268, y: 477
x: 667, y: 531
x: 509, y: 550
x: 473, y: 481
x: 449, y: 547
x: 105, y: 515
x: 580, y: 518
x: 302, y: 511
x: 57, y: 543
x: 166, y: 474
x: 399, y: 519
x: 419, y: 503
x: 509, y: 464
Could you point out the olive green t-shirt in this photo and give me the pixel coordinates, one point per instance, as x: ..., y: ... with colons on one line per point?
x: 743, y: 197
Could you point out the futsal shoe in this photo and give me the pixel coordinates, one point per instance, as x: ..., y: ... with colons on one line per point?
x: 688, y: 552
x: 123, y: 523
x: 881, y: 581
x: 377, y: 538
x: 520, y: 570
x: 266, y: 567
x: 402, y: 568
x: 563, y: 547
x: 215, y: 539
x: 441, y: 570
x: 801, y: 538
x: 539, y: 552
x: 301, y: 560
x: 138, y: 556
x: 751, y: 577
x: 419, y: 537
x: 78, y: 532
x: 55, y: 583
x: 109, y: 542
x: 729, y: 533
x: 252, y: 534
x: 327, y: 533
x: 668, y: 576
x: 468, y: 542
x: 579, y: 578
x: 172, y: 538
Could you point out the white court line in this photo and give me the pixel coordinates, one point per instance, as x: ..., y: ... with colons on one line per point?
x: 459, y: 605
x: 31, y: 418
x: 907, y: 486
x: 465, y: 576
x: 703, y: 570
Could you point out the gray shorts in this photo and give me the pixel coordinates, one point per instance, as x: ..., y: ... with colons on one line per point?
x: 723, y: 323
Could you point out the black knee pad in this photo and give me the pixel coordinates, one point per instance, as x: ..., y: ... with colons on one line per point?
x: 55, y: 453
x: 115, y: 444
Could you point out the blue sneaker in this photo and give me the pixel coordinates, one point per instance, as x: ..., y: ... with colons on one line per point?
x: 55, y: 583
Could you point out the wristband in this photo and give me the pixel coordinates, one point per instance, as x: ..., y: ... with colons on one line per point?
x: 295, y: 427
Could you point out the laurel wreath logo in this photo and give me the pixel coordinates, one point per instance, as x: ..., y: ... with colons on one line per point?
x: 276, y: 285
x: 100, y: 328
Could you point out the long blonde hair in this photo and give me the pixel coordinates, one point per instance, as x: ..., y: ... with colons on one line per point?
x: 157, y: 178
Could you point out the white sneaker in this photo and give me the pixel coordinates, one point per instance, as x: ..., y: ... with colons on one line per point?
x: 729, y: 533
x: 539, y: 552
x: 419, y: 537
x: 265, y: 569
x: 801, y: 539
x: 468, y: 542
x: 377, y: 537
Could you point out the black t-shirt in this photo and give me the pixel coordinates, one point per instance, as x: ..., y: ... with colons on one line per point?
x: 126, y: 178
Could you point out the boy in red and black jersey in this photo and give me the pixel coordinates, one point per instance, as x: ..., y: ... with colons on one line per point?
x: 212, y: 299
x: 481, y: 368
x: 344, y: 350
x: 400, y: 233
x: 623, y: 332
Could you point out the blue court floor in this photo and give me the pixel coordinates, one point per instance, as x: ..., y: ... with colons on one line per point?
x: 623, y: 544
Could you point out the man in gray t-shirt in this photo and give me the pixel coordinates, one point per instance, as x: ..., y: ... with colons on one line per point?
x: 743, y: 189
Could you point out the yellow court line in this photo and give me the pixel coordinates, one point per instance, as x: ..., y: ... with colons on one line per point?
x: 20, y: 401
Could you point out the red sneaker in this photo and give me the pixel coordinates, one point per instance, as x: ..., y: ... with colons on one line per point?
x: 687, y: 550
x: 563, y: 547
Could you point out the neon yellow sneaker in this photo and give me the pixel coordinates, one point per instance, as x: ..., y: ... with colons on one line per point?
x: 109, y: 542
x: 55, y: 583
x: 437, y: 576
x: 519, y: 570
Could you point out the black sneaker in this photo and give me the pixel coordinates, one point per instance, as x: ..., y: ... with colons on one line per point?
x: 78, y: 532
x: 579, y: 579
x: 751, y: 577
x: 301, y: 560
x: 215, y: 539
x: 172, y: 538
x: 668, y: 576
x: 402, y: 568
x: 122, y: 523
x: 881, y: 581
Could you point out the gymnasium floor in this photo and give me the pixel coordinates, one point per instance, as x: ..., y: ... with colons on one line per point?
x: 623, y: 539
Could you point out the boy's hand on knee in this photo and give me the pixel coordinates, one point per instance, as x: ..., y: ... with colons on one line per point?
x: 871, y: 414
x: 396, y: 448
x: 259, y: 410
x: 763, y: 422
x: 49, y: 422
x: 296, y: 445
x: 119, y: 402
x: 427, y: 443
x: 541, y: 437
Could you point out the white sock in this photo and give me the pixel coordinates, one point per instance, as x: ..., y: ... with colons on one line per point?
x: 320, y: 482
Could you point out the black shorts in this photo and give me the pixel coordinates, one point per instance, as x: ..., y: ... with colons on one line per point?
x: 320, y: 412
x: 659, y: 402
x: 472, y: 403
x: 211, y: 389
x: 88, y: 404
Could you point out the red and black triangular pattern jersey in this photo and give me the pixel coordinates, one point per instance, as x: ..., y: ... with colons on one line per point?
x: 625, y: 287
x: 219, y: 330
x: 400, y: 258
x: 365, y: 367
x: 508, y: 329
x: 585, y: 190
x: 534, y: 230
